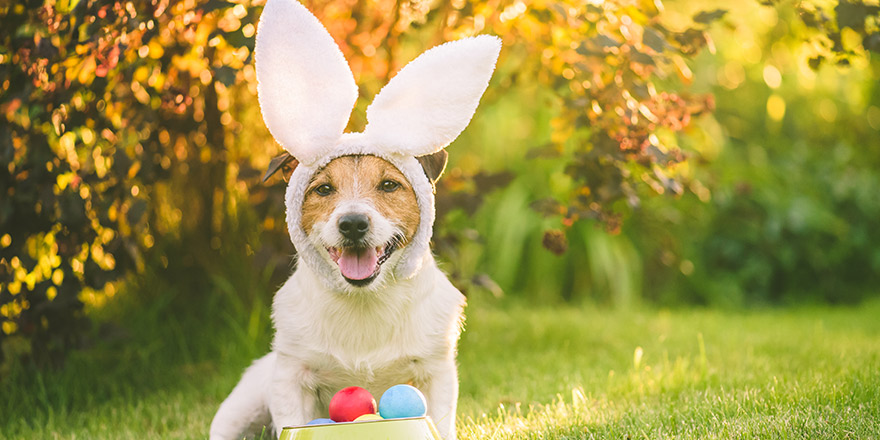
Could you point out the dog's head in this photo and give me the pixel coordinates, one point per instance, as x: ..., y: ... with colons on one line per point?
x: 360, y: 206
x: 360, y: 210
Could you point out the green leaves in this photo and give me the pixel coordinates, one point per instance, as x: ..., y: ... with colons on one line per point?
x: 706, y: 17
x: 852, y: 30
x: 606, y: 66
x: 853, y: 14
x: 654, y: 39
x: 604, y: 41
x: 112, y: 113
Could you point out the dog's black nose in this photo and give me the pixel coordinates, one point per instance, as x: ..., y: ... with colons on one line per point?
x: 354, y: 226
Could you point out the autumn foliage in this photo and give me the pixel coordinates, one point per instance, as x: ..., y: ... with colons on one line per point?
x: 117, y: 125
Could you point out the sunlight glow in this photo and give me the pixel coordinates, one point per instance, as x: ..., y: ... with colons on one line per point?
x: 772, y: 76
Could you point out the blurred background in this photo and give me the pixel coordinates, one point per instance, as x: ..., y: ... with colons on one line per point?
x: 627, y: 154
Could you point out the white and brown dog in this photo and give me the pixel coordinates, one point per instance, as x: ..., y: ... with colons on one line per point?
x: 367, y: 305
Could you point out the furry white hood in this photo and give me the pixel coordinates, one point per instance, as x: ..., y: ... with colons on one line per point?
x: 306, y: 92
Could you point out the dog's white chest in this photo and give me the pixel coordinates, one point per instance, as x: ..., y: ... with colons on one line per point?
x: 367, y: 347
x: 330, y: 375
x: 369, y: 342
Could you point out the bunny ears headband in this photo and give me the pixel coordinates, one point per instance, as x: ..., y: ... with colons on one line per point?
x: 307, y: 91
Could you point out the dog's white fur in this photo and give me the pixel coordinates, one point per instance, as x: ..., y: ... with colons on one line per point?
x: 404, y: 326
x: 326, y: 341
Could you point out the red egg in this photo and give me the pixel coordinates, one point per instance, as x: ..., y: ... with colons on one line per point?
x: 351, y: 403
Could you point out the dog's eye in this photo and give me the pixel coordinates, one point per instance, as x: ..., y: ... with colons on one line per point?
x: 389, y: 186
x: 324, y: 190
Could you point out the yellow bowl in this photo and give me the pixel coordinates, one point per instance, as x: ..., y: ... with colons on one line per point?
x: 415, y: 428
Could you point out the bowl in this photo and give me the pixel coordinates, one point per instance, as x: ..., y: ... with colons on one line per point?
x: 413, y: 428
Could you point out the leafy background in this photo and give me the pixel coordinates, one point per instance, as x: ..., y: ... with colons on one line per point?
x: 626, y: 153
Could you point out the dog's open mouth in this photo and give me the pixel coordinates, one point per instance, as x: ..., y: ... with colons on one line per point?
x: 360, y: 265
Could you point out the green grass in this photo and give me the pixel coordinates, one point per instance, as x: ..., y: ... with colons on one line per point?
x: 807, y: 373
x: 549, y: 372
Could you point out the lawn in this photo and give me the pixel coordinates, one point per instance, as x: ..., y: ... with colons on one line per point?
x: 527, y: 371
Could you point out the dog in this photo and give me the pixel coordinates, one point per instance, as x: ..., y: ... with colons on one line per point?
x: 376, y: 334
x: 367, y: 304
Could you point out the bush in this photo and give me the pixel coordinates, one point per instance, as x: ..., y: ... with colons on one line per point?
x: 793, y: 204
x: 123, y: 147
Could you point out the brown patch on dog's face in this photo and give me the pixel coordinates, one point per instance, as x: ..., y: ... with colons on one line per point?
x: 366, y: 178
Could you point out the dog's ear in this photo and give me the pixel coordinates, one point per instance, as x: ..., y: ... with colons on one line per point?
x: 305, y: 88
x: 432, y: 99
x: 282, y: 161
x: 434, y: 164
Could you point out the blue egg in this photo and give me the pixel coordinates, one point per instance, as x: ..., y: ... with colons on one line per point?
x: 402, y: 401
x: 320, y: 422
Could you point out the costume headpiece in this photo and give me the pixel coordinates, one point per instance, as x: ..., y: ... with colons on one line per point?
x: 306, y: 92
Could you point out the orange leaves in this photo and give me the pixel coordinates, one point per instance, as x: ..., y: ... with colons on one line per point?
x: 602, y: 60
x: 684, y: 72
x: 108, y: 59
x: 106, y: 96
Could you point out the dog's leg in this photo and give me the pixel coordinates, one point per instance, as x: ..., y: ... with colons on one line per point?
x: 245, y: 411
x: 442, y: 397
x: 292, y: 400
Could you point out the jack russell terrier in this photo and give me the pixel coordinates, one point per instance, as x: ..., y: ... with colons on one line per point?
x: 366, y: 305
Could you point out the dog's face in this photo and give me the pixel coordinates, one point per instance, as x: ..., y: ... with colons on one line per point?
x: 360, y: 211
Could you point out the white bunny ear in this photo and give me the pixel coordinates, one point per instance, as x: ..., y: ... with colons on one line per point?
x: 305, y: 87
x: 432, y: 99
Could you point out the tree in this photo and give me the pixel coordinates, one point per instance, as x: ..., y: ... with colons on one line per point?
x: 116, y: 135
x: 131, y: 124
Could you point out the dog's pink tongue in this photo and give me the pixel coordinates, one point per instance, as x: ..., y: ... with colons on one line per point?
x: 358, y: 264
